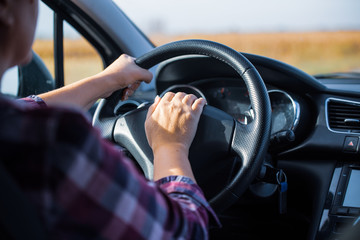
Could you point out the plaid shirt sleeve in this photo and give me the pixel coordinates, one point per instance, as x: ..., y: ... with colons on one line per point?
x: 84, y: 187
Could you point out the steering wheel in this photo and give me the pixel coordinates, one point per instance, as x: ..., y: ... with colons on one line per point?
x: 219, y: 137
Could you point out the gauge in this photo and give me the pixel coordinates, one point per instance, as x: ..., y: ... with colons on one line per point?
x: 231, y: 99
x: 221, y: 93
x: 285, y: 111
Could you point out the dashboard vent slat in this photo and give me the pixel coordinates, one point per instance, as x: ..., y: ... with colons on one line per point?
x: 343, y: 116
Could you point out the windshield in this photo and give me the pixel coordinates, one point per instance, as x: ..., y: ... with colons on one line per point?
x: 318, y: 37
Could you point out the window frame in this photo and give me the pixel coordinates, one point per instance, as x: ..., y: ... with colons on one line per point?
x: 65, y: 10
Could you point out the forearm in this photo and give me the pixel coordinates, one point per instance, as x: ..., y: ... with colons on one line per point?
x: 83, y: 93
x: 172, y: 160
x: 122, y: 73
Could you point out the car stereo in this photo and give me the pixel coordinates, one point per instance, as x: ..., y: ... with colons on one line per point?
x: 342, y: 208
x: 347, y: 195
x: 351, y: 198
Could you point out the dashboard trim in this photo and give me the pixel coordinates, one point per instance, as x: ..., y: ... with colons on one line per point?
x: 295, y: 104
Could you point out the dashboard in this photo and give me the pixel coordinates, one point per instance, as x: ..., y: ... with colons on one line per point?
x: 316, y: 152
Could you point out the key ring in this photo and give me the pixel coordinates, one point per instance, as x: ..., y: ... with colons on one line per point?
x: 279, y: 175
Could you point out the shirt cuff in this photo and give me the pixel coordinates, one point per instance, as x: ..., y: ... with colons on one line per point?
x: 185, y: 185
x: 33, y: 101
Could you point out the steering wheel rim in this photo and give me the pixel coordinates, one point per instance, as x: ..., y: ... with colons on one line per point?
x: 249, y: 142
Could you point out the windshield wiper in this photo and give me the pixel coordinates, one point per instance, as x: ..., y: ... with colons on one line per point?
x: 339, y: 75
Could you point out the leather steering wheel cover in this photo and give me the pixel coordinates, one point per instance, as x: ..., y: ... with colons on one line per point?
x: 249, y: 141
x: 201, y: 47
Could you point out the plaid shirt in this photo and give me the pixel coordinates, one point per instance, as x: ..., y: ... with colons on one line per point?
x: 84, y: 187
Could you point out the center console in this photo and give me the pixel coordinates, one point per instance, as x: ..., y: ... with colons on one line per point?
x: 341, y: 214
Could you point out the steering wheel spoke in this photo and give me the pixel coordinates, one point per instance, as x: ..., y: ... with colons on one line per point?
x: 129, y: 132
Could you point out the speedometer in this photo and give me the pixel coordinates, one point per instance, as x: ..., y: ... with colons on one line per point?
x: 285, y: 111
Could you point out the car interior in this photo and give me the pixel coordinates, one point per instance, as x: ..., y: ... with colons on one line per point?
x: 277, y: 149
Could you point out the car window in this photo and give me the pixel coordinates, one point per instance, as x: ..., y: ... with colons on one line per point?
x: 80, y: 59
x: 44, y: 37
x: 10, y: 82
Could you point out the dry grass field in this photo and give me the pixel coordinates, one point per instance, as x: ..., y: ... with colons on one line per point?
x: 80, y: 58
x: 316, y: 52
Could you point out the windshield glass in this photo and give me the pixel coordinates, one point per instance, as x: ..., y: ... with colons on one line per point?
x: 320, y: 36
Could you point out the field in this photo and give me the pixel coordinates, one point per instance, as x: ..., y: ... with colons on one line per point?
x: 314, y: 52
x: 80, y: 58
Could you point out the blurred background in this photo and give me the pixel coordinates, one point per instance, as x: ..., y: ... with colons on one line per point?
x: 317, y: 36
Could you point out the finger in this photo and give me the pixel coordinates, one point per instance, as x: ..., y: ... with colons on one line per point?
x: 145, y: 74
x: 125, y: 94
x: 198, y: 105
x: 168, y: 96
x: 179, y: 96
x: 130, y: 90
x: 189, y: 99
x: 130, y: 57
x: 153, y: 107
x: 127, y: 57
x: 134, y: 85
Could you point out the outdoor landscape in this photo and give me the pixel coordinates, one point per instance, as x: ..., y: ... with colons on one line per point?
x: 313, y: 52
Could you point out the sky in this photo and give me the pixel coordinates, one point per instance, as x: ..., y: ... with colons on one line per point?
x: 221, y: 16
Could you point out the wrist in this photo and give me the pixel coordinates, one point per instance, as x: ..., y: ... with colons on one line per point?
x: 105, y: 84
x: 172, y: 159
x: 173, y: 149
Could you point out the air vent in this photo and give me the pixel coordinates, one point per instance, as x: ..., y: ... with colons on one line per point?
x: 343, y: 116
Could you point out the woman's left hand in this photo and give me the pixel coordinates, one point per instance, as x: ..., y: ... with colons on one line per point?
x: 125, y: 74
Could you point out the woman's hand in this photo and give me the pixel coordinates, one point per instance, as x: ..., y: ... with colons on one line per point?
x: 124, y: 73
x: 170, y: 126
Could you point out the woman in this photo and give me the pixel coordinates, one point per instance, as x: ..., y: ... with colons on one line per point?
x: 81, y: 185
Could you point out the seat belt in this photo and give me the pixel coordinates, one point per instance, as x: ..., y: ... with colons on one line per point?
x: 17, y: 216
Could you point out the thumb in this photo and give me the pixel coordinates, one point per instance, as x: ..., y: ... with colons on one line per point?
x: 146, y: 75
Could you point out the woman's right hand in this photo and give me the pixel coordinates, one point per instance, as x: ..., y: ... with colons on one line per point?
x: 170, y: 127
x: 173, y: 120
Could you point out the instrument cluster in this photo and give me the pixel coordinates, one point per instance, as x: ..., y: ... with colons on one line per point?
x: 233, y: 98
